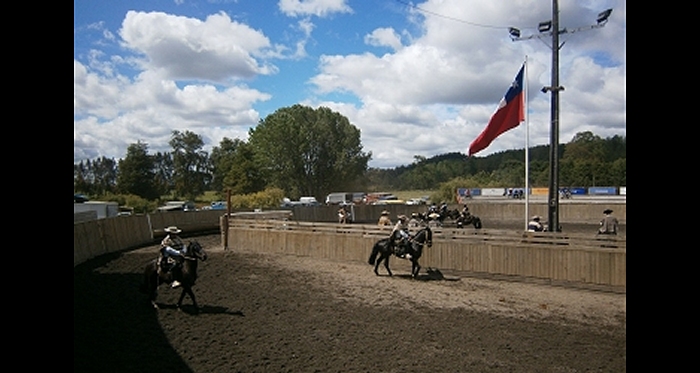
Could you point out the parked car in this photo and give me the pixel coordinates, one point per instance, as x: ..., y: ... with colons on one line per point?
x: 415, y: 201
x: 80, y: 198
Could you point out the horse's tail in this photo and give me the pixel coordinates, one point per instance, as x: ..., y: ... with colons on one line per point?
x: 477, y: 222
x: 149, y: 272
x: 375, y: 252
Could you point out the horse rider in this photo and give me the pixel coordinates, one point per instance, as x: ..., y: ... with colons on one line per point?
x: 400, y: 234
x: 432, y: 209
x: 384, y: 219
x: 609, y: 223
x: 465, y: 212
x: 172, y: 254
x: 443, y: 209
x: 534, y: 224
x: 415, y: 221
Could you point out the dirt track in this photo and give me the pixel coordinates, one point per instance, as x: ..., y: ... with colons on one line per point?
x: 264, y: 313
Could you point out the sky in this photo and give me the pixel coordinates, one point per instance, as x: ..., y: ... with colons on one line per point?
x: 418, y: 78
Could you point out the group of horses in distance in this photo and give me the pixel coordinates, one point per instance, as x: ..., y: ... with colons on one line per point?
x: 460, y: 219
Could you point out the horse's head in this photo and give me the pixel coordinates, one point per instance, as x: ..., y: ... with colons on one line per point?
x: 194, y: 249
x: 425, y: 236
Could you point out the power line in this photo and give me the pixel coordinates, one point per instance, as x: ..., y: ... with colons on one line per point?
x: 450, y: 18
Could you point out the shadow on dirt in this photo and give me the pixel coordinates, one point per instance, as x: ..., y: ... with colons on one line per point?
x: 432, y: 274
x: 203, y: 309
x: 115, y: 329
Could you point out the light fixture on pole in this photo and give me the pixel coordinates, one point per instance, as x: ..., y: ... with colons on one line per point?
x: 552, y: 28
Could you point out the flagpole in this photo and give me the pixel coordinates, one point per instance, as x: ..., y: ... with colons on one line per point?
x: 527, y: 148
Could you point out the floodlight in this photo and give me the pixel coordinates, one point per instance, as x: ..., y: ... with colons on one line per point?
x: 544, y: 26
x: 603, y: 16
x: 514, y: 32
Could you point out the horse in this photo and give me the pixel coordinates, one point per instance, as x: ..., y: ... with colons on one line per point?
x: 415, y: 249
x: 463, y: 220
x: 154, y: 276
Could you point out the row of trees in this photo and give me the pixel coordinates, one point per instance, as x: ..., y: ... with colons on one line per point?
x: 300, y: 151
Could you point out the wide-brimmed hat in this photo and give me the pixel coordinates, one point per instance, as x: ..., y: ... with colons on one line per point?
x: 385, y: 212
x: 434, y: 215
x: 172, y: 229
x: 536, y: 218
x: 608, y: 211
x: 402, y: 217
x: 414, y: 214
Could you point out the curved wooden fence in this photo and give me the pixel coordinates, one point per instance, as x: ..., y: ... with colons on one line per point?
x: 102, y: 236
x: 557, y: 257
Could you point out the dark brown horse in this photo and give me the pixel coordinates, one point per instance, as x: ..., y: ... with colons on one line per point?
x: 415, y: 249
x: 155, y: 276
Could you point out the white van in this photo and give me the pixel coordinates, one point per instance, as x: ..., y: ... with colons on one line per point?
x: 338, y: 198
x: 309, y: 201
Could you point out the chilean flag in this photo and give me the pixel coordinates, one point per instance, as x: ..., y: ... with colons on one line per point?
x: 510, y: 112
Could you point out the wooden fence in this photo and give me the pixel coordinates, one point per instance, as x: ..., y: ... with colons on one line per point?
x: 559, y: 257
x: 578, y: 258
x: 488, y: 210
x: 101, y: 236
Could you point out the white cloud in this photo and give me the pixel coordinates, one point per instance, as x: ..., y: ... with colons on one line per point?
x: 385, y: 36
x: 431, y: 92
x: 217, y: 49
x: 319, y: 8
x: 450, y: 79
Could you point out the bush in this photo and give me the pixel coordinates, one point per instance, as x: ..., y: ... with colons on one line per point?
x: 269, y: 198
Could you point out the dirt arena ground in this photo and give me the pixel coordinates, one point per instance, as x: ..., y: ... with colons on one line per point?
x: 266, y: 313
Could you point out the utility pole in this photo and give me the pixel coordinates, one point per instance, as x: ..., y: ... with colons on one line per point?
x: 553, y: 216
x: 544, y: 28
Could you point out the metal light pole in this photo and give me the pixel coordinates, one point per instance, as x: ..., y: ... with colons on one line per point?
x: 553, y: 25
x: 553, y: 216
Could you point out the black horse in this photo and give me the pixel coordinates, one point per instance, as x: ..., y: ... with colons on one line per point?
x: 154, y: 275
x: 474, y: 220
x: 414, y: 250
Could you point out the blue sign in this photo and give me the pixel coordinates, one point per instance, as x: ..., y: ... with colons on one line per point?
x: 602, y: 190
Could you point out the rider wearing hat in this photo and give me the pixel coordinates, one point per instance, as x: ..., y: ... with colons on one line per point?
x: 171, y: 251
x: 400, y: 233
x: 384, y: 219
x: 609, y: 223
x: 534, y: 225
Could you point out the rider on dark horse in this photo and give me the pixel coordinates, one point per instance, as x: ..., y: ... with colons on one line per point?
x: 171, y: 254
x: 400, y: 234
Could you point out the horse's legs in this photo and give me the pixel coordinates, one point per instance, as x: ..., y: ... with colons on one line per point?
x: 187, y: 290
x: 386, y: 264
x: 415, y: 268
x: 383, y: 257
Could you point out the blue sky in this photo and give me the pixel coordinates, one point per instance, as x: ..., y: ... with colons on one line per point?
x: 417, y: 78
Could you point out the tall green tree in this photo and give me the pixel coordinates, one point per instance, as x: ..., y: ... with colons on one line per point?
x: 95, y: 177
x: 234, y: 168
x: 136, y: 174
x: 192, y: 172
x: 309, y: 152
x: 163, y: 170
